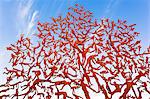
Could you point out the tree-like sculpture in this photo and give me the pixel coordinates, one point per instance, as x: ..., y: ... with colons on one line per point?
x: 78, y: 53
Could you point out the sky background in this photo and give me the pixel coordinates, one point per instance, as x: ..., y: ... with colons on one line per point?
x: 21, y: 16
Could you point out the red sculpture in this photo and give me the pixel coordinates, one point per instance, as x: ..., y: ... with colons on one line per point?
x: 78, y: 53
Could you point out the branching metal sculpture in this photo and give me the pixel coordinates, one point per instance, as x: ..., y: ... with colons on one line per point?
x: 78, y: 53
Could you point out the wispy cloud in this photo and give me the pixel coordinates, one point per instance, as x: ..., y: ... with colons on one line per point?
x: 24, y: 8
x: 31, y: 23
x: 26, y: 17
x: 59, y: 9
x: 111, y: 5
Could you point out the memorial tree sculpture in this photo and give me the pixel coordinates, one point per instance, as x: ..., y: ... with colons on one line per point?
x: 78, y: 53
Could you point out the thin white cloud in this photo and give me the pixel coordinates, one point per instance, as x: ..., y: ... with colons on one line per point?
x: 24, y: 8
x: 59, y: 9
x: 26, y: 17
x: 111, y: 5
x: 31, y: 24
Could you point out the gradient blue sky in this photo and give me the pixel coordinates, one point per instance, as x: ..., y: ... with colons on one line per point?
x: 20, y: 16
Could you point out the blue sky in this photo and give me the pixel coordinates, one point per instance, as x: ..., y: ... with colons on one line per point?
x: 20, y: 16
